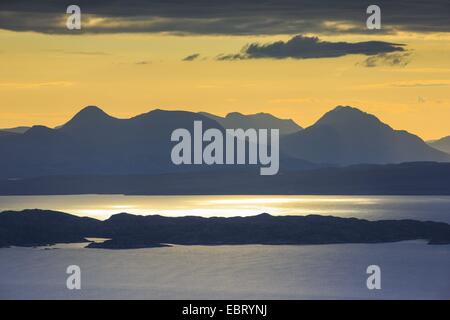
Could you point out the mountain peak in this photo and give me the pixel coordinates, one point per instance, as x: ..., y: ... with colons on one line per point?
x: 123, y: 216
x: 347, y: 135
x: 261, y: 120
x: 260, y: 115
x: 89, y: 116
x: 38, y: 130
x: 91, y: 111
x: 346, y: 115
x: 234, y: 115
x: 263, y: 215
x: 348, y: 110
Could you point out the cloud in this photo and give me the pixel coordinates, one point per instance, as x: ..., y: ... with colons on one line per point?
x: 234, y: 56
x: 406, y: 84
x: 192, y: 57
x: 82, y: 53
x: 388, y: 59
x: 429, y: 83
x: 88, y: 53
x: 34, y: 85
x: 301, y: 47
x: 235, y: 17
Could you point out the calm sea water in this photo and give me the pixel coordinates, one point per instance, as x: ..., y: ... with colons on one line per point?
x: 410, y: 270
x: 435, y: 208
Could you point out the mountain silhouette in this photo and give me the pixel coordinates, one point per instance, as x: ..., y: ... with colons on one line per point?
x: 442, y: 144
x: 347, y: 135
x: 235, y: 120
x: 92, y: 125
x: 95, y: 143
x: 38, y: 227
x: 138, y: 145
x: 40, y: 149
x: 89, y: 118
x: 22, y: 129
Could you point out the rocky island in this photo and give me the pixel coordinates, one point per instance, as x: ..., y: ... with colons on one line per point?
x: 125, y: 231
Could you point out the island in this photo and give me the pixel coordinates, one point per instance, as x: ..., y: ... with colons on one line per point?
x: 125, y: 231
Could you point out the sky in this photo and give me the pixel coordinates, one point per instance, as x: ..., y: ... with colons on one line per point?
x: 294, y: 59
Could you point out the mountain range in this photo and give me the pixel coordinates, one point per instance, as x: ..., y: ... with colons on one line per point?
x: 347, y: 136
x: 93, y: 142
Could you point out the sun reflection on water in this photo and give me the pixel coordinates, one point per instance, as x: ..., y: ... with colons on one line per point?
x: 103, y: 206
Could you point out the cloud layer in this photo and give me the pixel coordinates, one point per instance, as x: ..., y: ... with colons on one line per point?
x: 225, y: 17
x: 301, y: 47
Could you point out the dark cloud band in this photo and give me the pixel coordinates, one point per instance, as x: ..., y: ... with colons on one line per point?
x: 301, y: 47
x: 192, y: 57
x: 226, y: 17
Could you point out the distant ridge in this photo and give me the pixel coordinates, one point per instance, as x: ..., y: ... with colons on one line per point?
x: 95, y: 143
x: 235, y: 120
x: 15, y: 130
x: 442, y: 144
x: 6, y: 133
x: 421, y: 178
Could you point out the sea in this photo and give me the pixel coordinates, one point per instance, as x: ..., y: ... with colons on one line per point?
x: 408, y: 270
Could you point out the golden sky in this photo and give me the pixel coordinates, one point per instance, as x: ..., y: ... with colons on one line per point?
x: 46, y: 78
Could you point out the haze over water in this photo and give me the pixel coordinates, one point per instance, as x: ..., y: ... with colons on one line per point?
x: 434, y: 208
